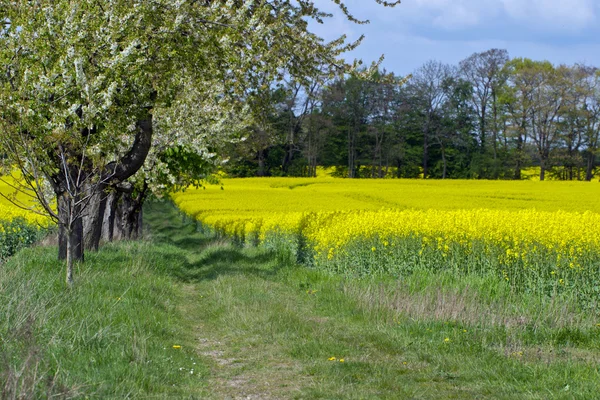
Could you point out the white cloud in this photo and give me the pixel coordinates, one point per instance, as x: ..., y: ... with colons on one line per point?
x: 407, y: 34
x: 405, y: 53
x: 452, y: 14
x: 571, y: 14
x: 552, y: 15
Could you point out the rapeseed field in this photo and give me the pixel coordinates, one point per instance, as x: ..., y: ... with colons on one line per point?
x: 18, y: 227
x: 541, y: 236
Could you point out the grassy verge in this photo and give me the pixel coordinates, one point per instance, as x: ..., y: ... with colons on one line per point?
x: 252, y: 326
x: 112, y: 336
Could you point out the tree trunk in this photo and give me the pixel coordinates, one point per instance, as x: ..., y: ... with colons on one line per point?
x: 74, y: 248
x: 425, y: 155
x: 351, y: 151
x: 127, y: 218
x: 519, y: 155
x: 108, y: 225
x: 69, y: 262
x: 261, y: 163
x: 495, y: 127
x: 70, y: 217
x: 140, y: 222
x: 444, y: 163
x: 128, y: 215
x: 542, y: 169
x: 589, y: 171
x: 94, y: 217
x: 482, y: 131
x: 64, y: 237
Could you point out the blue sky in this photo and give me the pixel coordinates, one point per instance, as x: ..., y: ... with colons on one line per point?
x: 561, y: 31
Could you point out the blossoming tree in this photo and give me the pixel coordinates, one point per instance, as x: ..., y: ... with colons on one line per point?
x: 94, y: 92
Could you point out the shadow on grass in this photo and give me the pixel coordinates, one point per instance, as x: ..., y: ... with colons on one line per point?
x: 191, y: 256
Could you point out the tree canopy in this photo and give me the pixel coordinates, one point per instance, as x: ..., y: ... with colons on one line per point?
x: 93, y: 92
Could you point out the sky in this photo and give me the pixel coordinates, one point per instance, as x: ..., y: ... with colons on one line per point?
x: 416, y: 31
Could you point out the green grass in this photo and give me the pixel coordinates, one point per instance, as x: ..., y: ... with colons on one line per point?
x: 253, y: 326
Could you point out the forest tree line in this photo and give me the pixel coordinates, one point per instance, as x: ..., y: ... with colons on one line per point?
x: 489, y: 117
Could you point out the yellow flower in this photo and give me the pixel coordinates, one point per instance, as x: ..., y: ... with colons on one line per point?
x: 447, y: 340
x: 331, y: 359
x: 342, y: 360
x: 333, y: 214
x: 176, y: 346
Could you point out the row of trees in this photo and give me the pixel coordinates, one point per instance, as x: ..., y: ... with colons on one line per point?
x: 488, y: 117
x: 105, y: 102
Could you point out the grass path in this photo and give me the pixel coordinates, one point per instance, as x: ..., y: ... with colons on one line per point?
x: 272, y: 331
x: 181, y: 315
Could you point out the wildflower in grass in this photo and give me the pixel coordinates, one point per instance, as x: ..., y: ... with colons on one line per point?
x: 373, y: 249
x: 342, y: 360
x: 447, y: 340
x: 332, y: 359
x: 176, y: 346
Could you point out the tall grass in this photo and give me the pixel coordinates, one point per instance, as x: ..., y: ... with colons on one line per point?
x: 111, y: 336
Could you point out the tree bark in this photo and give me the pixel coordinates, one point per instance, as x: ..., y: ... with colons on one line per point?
x: 127, y: 218
x: 70, y: 239
x: 482, y: 129
x: 94, y: 217
x: 74, y: 248
x: 519, y: 150
x: 425, y: 150
x: 589, y: 171
x: 444, y: 163
x: 108, y: 224
x: 113, y: 174
x: 128, y: 213
x: 69, y: 271
x: 351, y: 152
x: 134, y: 159
x: 261, y: 163
x: 542, y: 169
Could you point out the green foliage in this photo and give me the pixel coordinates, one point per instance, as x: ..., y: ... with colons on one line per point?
x: 487, y: 118
x: 187, y: 166
x: 18, y: 234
